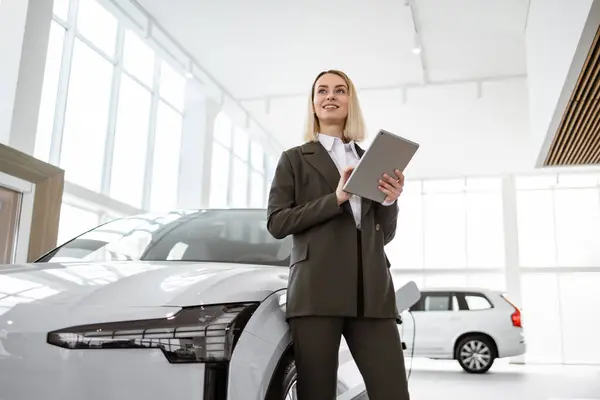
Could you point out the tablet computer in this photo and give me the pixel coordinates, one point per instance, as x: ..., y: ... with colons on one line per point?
x: 387, y: 153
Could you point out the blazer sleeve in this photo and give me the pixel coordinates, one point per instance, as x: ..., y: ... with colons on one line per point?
x: 284, y: 217
x: 387, y: 216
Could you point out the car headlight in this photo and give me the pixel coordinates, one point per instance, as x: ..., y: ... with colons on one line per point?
x: 193, y: 335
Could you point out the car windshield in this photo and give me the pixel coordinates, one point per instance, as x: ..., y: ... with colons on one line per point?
x: 225, y: 236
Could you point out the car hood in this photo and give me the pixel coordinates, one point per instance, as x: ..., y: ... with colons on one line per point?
x: 137, y: 284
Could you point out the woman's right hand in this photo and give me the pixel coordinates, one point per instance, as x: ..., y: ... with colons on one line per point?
x: 340, y: 193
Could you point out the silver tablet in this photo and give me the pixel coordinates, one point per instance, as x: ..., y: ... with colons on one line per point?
x: 387, y: 153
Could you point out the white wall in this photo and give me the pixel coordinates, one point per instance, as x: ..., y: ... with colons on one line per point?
x: 461, y: 131
x: 24, y: 33
x: 13, y: 14
x: 554, y: 30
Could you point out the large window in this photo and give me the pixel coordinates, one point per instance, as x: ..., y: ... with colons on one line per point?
x: 257, y: 176
x: 219, y: 176
x: 237, y: 169
x: 221, y: 158
x: 74, y: 221
x: 61, y: 9
x: 444, y: 230
x: 580, y: 319
x: 559, y: 242
x: 167, y: 147
x: 240, y: 168
x: 172, y: 86
x: 239, y: 183
x: 138, y: 58
x: 131, y: 137
x: 406, y: 250
x: 449, y: 224
x: 112, y: 108
x: 98, y: 26
x: 559, y: 220
x: 86, y: 119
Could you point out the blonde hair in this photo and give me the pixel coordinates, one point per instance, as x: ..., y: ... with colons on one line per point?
x: 354, y: 128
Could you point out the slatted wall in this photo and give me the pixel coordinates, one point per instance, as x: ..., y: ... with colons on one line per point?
x: 577, y: 140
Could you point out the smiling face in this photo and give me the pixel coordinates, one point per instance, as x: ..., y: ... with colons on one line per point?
x: 330, y: 99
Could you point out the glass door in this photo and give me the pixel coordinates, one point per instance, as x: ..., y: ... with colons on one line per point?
x: 10, y: 204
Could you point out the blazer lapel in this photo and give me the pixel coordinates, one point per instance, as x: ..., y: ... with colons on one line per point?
x: 366, y: 203
x: 318, y: 157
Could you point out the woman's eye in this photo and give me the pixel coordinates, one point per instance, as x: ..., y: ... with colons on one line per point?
x: 341, y: 91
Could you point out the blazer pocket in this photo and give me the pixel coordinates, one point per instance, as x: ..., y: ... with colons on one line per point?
x: 299, y: 253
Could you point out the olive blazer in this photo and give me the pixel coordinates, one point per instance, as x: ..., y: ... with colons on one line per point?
x: 323, y: 278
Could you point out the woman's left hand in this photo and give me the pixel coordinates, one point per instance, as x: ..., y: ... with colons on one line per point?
x: 392, y: 186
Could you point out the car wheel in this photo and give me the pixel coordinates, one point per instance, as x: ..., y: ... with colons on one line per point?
x: 284, y: 384
x: 476, y: 354
x: 290, y: 380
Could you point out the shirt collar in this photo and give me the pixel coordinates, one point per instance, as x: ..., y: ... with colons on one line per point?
x: 327, y: 141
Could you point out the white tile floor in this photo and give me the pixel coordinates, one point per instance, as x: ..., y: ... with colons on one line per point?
x: 445, y: 380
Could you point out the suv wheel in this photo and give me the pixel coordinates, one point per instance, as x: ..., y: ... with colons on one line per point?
x: 476, y: 354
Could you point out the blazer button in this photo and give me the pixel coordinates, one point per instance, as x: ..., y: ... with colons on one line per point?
x: 376, y: 227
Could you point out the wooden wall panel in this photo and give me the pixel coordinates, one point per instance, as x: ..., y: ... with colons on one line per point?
x: 577, y: 140
x: 49, y: 184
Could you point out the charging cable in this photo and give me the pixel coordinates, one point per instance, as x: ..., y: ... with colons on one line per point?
x: 412, y: 350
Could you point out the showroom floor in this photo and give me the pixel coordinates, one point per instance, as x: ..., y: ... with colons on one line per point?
x: 441, y: 380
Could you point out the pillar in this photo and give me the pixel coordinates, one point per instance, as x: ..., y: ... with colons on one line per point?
x: 24, y: 35
x: 511, y: 245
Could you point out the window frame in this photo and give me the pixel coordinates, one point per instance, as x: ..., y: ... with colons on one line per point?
x: 71, y: 34
x: 235, y: 157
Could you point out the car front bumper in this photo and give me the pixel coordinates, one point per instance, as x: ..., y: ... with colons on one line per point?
x: 51, y: 373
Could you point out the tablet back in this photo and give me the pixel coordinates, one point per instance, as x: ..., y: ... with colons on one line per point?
x: 387, y: 153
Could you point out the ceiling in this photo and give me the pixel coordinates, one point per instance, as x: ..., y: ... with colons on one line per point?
x: 265, y: 53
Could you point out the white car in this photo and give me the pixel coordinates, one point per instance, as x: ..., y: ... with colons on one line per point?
x: 182, y: 305
x: 472, y: 326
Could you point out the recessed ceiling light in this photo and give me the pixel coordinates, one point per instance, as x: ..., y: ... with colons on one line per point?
x: 416, y: 50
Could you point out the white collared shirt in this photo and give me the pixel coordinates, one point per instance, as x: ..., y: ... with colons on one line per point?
x: 345, y: 155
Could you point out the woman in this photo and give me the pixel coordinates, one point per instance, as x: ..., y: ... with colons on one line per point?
x: 339, y: 281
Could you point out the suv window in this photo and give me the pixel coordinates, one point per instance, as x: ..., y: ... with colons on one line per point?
x: 433, y: 301
x: 452, y: 301
x: 437, y: 303
x: 473, y: 301
x: 477, y: 302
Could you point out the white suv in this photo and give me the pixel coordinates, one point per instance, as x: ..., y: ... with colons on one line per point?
x: 472, y: 326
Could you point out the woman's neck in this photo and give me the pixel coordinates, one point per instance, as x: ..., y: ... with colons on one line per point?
x: 332, y: 130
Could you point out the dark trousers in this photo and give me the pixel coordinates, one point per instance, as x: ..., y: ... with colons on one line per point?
x: 374, y: 343
x: 375, y: 346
